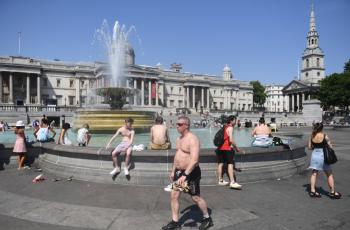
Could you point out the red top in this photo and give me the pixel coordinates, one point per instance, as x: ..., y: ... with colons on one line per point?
x: 227, y: 142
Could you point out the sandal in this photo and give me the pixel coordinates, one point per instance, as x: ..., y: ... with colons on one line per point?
x: 334, y: 195
x: 314, y: 195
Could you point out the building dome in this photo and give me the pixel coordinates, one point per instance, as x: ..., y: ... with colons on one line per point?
x: 226, y: 68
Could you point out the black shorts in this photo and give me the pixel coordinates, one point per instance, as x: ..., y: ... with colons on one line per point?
x: 225, y: 156
x: 193, y: 180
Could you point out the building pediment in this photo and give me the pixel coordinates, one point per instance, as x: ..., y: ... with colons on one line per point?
x: 295, y: 85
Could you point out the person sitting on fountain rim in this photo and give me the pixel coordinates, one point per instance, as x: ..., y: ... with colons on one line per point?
x: 159, y: 136
x: 262, y: 134
x: 84, y: 135
x: 127, y: 132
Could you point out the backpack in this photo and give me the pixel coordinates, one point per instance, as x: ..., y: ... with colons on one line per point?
x: 219, y: 137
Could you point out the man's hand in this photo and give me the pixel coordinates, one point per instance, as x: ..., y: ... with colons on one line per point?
x: 181, y: 180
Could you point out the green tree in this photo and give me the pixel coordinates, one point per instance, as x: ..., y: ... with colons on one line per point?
x: 347, y: 67
x: 259, y: 95
x: 334, y: 91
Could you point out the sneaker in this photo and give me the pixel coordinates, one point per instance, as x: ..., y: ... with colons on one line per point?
x: 223, y: 182
x: 206, y: 223
x: 169, y: 188
x: 172, y: 225
x: 115, y: 171
x: 235, y: 186
x: 126, y: 171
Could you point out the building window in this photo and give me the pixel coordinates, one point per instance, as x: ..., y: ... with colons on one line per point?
x: 83, y: 100
x: 171, y: 102
x: 59, y: 100
x: 71, y: 100
x: 171, y: 89
x: 306, y: 74
x: 318, y: 73
x: 221, y: 105
x: 312, y: 41
x: 71, y: 83
x: 214, y: 92
x: 180, y: 89
x: 307, y: 63
x: 44, y: 81
x: 58, y: 82
x: 82, y: 84
x: 180, y: 103
x: 318, y: 62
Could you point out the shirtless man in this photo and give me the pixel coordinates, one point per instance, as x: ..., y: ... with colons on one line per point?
x: 262, y: 134
x: 186, y: 170
x: 159, y: 136
x: 261, y: 129
x: 125, y: 145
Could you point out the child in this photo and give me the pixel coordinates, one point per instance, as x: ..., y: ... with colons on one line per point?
x: 20, y: 145
x: 127, y: 133
x: 84, y: 136
x: 63, y: 139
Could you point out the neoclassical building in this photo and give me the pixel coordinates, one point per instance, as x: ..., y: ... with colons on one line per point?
x: 312, y: 71
x: 35, y: 83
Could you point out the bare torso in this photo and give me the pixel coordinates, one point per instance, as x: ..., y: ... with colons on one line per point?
x: 159, y: 134
x: 183, y: 146
x: 261, y: 130
x: 125, y: 133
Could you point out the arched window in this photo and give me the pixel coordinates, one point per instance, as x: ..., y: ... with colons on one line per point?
x: 306, y: 74
x: 318, y: 73
x: 307, y: 63
x: 312, y: 41
x: 318, y: 62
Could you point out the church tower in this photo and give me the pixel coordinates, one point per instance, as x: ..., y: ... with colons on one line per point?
x: 313, y: 69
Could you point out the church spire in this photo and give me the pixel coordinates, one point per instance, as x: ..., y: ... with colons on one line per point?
x: 312, y: 19
x: 312, y: 35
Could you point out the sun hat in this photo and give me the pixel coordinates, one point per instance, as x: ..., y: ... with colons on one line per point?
x: 20, y: 124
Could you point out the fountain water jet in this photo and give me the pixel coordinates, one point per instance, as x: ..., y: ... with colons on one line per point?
x: 111, y: 85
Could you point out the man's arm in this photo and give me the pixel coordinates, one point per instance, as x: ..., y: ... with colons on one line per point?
x: 230, y: 134
x: 114, y: 136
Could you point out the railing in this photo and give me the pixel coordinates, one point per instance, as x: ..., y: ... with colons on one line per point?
x: 36, y: 108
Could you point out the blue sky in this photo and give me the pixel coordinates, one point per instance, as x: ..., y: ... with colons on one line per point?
x: 259, y: 40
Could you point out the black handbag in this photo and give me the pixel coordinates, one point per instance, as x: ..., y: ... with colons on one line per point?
x: 329, y: 154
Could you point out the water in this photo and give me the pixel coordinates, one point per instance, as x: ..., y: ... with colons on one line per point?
x: 241, y: 137
x: 116, y: 45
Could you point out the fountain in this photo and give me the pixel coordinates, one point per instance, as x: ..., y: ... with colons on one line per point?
x: 107, y: 113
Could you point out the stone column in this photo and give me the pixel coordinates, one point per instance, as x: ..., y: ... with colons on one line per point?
x: 188, y: 97
x: 28, y: 90
x: 293, y: 102
x: 77, y: 92
x: 202, y: 97
x: 38, y: 92
x: 194, y: 97
x: 0, y: 87
x: 229, y: 100
x: 208, y: 98
x: 11, y: 89
x: 128, y: 99
x: 135, y: 87
x: 149, y: 92
x: 142, y: 92
x: 298, y: 101
x: 162, y: 91
x: 157, y: 104
x: 184, y: 97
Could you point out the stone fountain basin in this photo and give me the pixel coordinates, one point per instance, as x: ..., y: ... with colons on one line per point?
x: 151, y: 167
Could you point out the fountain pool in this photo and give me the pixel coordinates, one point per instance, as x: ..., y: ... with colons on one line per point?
x: 241, y: 136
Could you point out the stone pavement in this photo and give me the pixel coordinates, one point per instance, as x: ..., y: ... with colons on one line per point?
x: 277, y: 204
